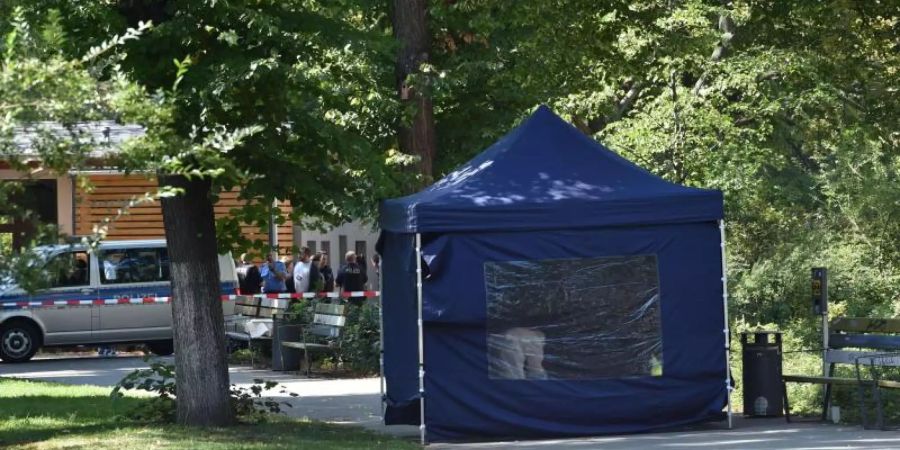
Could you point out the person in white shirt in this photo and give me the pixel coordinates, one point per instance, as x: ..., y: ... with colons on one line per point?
x: 301, y: 271
x: 109, y: 270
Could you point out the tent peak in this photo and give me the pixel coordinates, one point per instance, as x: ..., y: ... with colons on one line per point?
x: 546, y: 173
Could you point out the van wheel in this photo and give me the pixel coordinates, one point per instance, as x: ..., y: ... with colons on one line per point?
x: 19, y: 341
x: 161, y: 348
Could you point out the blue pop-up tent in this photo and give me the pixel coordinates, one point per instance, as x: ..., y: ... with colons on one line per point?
x: 550, y: 287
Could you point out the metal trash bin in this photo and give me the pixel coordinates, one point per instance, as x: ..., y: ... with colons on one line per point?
x: 762, y: 374
x: 284, y: 358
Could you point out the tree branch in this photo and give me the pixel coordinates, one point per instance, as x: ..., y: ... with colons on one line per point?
x: 726, y: 26
x: 622, y: 107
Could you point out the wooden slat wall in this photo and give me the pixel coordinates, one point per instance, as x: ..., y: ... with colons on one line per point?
x: 113, y: 191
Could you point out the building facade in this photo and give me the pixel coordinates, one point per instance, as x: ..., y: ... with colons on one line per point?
x: 77, y: 204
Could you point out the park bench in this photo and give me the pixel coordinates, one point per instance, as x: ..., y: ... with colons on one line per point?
x: 870, y: 345
x: 252, y: 321
x: 322, y: 333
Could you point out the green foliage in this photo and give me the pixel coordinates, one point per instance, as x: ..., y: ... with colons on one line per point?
x: 308, y: 81
x: 248, y: 402
x: 250, y: 405
x: 361, y: 339
x: 158, y: 380
x: 47, y: 97
x: 788, y: 107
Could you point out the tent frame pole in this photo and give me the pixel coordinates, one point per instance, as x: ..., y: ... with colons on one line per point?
x: 381, y: 339
x: 727, y: 332
x: 421, y: 338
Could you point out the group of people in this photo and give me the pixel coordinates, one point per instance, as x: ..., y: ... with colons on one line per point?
x: 311, y: 273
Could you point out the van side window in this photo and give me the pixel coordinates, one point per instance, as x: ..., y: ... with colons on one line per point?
x: 133, y: 265
x: 69, y: 269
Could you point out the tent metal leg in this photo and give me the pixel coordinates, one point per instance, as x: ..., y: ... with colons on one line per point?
x: 726, y: 330
x: 421, y: 338
x: 381, y: 344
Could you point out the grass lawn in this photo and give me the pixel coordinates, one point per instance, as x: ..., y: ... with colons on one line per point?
x: 39, y: 415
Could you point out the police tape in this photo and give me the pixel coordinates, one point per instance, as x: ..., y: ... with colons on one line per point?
x: 164, y: 300
x: 94, y: 302
x: 346, y: 294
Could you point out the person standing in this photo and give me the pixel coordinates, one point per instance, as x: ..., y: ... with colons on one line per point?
x: 273, y: 274
x: 327, y: 273
x: 316, y: 281
x: 351, y: 278
x: 289, y: 269
x: 301, y: 270
x: 376, y: 265
x: 249, y: 279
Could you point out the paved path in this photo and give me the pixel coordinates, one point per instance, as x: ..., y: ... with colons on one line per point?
x: 356, y: 401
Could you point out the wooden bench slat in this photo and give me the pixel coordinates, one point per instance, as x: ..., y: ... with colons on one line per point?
x: 850, y: 356
x: 328, y: 331
x: 866, y: 325
x: 305, y: 346
x: 818, y: 380
x: 245, y: 337
x: 889, y: 384
x: 875, y: 341
x: 327, y: 319
x: 249, y: 301
x: 330, y: 308
x: 275, y: 302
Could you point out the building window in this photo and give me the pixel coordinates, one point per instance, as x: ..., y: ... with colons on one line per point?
x: 312, y: 246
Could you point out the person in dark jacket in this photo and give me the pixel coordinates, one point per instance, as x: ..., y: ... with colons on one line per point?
x: 316, y: 281
x: 351, y: 278
x: 327, y: 273
x: 249, y: 279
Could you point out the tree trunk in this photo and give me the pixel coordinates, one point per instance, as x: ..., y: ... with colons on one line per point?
x: 409, y: 19
x: 201, y: 369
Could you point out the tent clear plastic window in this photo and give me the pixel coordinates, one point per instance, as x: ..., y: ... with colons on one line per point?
x: 574, y: 318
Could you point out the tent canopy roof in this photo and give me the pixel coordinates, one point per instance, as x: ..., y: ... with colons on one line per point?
x: 546, y: 174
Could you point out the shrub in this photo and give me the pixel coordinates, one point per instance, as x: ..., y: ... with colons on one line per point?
x: 248, y: 402
x: 361, y: 339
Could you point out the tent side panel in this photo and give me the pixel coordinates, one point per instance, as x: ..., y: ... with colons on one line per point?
x: 400, y: 328
x: 634, y: 340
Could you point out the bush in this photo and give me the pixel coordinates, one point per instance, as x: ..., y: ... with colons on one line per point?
x: 248, y: 402
x: 360, y: 342
x: 159, y: 379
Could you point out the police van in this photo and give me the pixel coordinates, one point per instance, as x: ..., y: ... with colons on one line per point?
x: 120, y: 293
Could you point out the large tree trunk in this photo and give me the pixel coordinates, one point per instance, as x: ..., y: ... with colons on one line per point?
x: 201, y: 369
x: 409, y: 19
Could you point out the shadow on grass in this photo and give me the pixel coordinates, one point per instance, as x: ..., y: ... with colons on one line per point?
x: 35, y: 418
x: 93, y: 421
